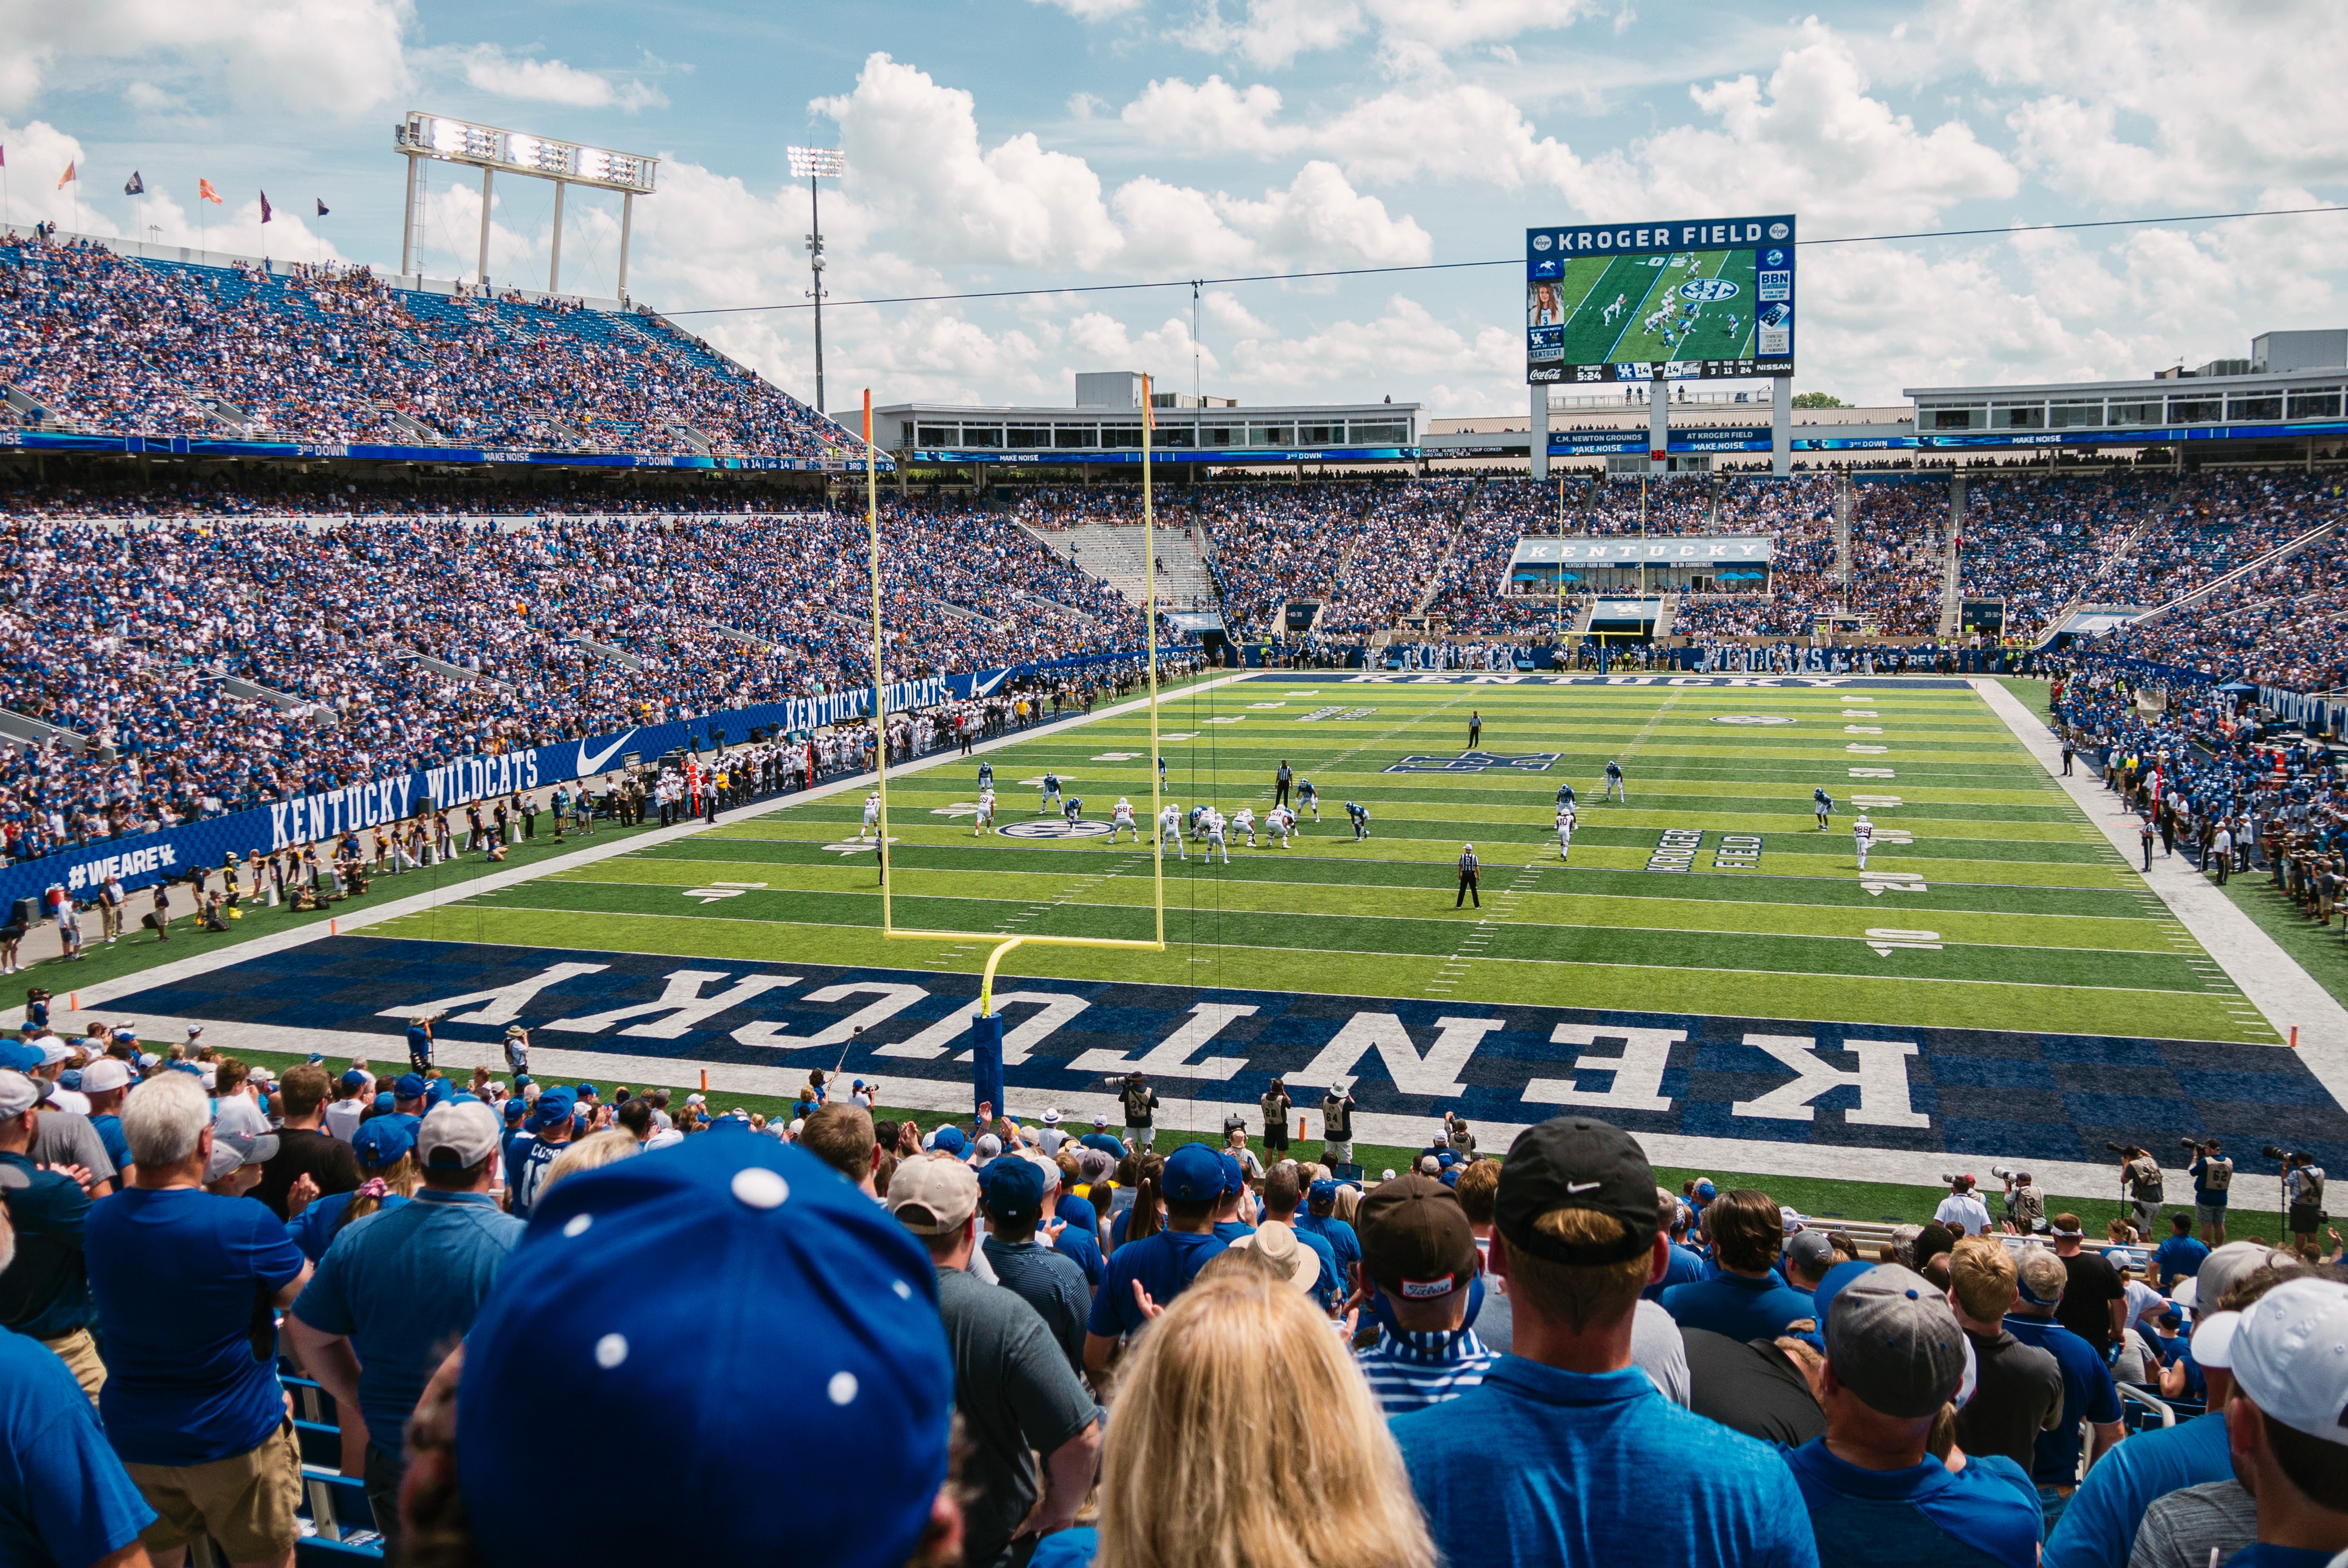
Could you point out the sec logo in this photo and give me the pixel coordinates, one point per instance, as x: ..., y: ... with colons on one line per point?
x: 1709, y: 289
x: 1735, y: 718
x: 1053, y: 828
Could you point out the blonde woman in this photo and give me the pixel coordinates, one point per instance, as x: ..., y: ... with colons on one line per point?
x: 1200, y: 1470
x: 596, y: 1149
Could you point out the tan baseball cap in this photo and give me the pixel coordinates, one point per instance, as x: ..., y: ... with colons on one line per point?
x: 934, y: 1195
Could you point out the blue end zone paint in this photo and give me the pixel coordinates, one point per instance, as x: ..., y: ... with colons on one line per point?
x: 1968, y: 1093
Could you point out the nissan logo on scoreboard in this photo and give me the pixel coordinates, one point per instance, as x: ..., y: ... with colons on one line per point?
x: 1701, y: 299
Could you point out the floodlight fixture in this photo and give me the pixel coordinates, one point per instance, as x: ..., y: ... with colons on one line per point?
x: 816, y: 163
x: 490, y: 149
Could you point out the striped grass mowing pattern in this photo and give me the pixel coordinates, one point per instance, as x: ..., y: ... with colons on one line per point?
x: 1988, y: 901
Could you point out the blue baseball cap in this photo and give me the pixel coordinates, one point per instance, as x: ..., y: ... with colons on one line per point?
x: 18, y: 1057
x: 516, y: 1109
x: 554, y: 1106
x: 1707, y: 1191
x: 438, y: 1090
x: 1324, y: 1191
x: 592, y: 1304
x: 410, y: 1086
x: 1012, y: 1186
x: 1831, y: 1284
x: 383, y: 1140
x: 355, y: 1078
x: 949, y: 1141
x: 586, y: 1089
x: 1234, y: 1173
x: 383, y: 1102
x: 1194, y: 1174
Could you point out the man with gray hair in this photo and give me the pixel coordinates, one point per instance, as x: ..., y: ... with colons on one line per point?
x: 2088, y: 1393
x: 1894, y: 1356
x: 181, y: 1278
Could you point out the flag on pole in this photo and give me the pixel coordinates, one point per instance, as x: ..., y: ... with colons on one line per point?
x: 134, y: 186
x: 264, y: 207
x: 322, y: 206
x: 68, y: 178
x: 204, y: 189
x: 4, y: 158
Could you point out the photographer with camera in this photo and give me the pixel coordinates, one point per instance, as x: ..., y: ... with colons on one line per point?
x: 2212, y: 1174
x: 2026, y: 1205
x: 2303, y: 1193
x: 2140, y: 1181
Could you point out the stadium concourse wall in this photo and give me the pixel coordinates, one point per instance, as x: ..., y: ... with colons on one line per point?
x: 145, y: 859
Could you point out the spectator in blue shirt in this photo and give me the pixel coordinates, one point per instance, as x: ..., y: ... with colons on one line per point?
x: 45, y: 1294
x: 63, y: 1497
x: 1533, y: 1466
x: 1320, y: 1218
x: 1012, y: 1192
x: 2179, y: 1257
x: 1744, y: 1299
x: 1686, y: 1266
x: 1158, y: 1264
x: 2098, y: 1530
x: 191, y: 1402
x: 1895, y: 1356
x: 400, y: 1288
x: 419, y: 1043
x: 104, y: 1083
x: 2089, y: 1394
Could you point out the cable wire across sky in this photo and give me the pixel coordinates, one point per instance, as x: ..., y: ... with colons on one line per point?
x: 2010, y: 231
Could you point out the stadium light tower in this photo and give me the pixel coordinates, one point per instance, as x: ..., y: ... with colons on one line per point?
x: 817, y: 163
x: 490, y: 149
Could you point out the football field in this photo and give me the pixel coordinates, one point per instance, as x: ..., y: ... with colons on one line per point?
x: 1708, y: 968
x: 1595, y: 333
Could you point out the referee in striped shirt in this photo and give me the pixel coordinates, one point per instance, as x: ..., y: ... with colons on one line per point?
x: 1468, y: 867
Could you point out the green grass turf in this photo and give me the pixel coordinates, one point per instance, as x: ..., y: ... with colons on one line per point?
x: 2035, y: 922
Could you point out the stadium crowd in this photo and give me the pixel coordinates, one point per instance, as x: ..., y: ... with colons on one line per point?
x: 102, y: 341
x: 386, y: 645
x: 1006, y: 1341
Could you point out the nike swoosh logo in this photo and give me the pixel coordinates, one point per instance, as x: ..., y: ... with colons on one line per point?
x: 1573, y: 1187
x: 595, y: 764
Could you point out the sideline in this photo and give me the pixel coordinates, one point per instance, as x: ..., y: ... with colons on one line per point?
x: 96, y: 996
x: 2269, y: 978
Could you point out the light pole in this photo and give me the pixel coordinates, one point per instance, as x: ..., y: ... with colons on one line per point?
x: 817, y: 163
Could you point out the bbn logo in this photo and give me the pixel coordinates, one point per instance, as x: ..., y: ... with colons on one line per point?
x: 1053, y: 828
x: 1709, y: 289
x: 1477, y: 762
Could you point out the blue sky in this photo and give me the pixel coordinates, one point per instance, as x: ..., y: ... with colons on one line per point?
x: 1039, y: 144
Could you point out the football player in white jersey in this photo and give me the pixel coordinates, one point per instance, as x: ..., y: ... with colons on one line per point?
x: 1215, y: 840
x: 1243, y: 822
x: 1120, y: 816
x: 1862, y: 837
x: 1047, y: 795
x: 1565, y: 820
x: 986, y: 817
x: 1169, y: 827
x: 871, y: 814
x: 1280, y: 822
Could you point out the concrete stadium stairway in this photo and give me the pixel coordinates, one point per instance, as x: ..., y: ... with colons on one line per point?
x: 1113, y: 553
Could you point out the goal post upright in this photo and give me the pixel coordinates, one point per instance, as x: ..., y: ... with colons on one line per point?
x: 987, y: 1025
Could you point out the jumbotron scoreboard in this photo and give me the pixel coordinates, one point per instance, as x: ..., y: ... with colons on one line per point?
x: 1706, y: 299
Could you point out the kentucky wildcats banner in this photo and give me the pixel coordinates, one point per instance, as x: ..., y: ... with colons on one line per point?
x: 174, y: 852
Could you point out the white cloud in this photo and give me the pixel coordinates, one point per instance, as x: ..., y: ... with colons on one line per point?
x: 1213, y: 117
x: 1093, y: 10
x: 492, y: 71
x: 1321, y: 219
x: 1367, y: 359
x: 340, y: 58
x: 1273, y: 32
x: 913, y: 151
x: 2163, y: 101
x: 1812, y: 140
x: 1450, y: 25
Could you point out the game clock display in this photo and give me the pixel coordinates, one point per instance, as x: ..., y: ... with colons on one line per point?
x: 1699, y: 300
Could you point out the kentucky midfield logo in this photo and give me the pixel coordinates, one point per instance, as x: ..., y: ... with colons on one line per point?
x: 2015, y: 1095
x: 1476, y: 762
x: 1053, y: 828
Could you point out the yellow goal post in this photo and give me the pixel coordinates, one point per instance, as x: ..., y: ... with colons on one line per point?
x: 890, y: 929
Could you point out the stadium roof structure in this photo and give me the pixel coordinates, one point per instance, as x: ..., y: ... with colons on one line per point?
x: 1090, y: 433
x: 2156, y: 411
